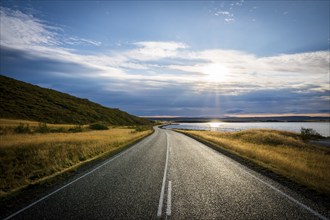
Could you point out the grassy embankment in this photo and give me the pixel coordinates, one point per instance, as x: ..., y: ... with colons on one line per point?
x: 20, y: 100
x: 34, y: 157
x: 282, y: 152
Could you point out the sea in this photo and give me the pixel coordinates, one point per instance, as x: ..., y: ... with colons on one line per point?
x: 323, y: 128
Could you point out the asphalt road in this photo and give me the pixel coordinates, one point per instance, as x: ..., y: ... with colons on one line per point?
x: 171, y: 176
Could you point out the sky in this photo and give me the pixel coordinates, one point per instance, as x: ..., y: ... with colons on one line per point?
x: 174, y: 58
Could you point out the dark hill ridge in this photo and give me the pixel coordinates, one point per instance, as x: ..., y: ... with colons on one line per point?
x: 20, y: 100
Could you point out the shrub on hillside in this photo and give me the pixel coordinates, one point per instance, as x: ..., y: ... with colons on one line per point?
x: 97, y: 126
x: 22, y: 129
x: 42, y: 128
x: 76, y: 128
x: 4, y: 130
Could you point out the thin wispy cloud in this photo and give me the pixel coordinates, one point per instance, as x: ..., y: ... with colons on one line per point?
x: 227, y: 16
x: 21, y: 29
x: 226, y: 9
x: 78, y: 41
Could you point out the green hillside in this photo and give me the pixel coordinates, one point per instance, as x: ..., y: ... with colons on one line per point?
x: 20, y: 100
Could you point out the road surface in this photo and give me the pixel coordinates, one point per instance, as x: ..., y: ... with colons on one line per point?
x: 171, y: 176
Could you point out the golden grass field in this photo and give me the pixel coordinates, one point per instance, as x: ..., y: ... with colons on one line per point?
x: 280, y: 151
x: 13, y: 123
x: 30, y: 158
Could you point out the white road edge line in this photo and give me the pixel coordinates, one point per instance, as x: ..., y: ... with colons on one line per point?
x: 272, y: 187
x: 68, y: 184
x: 169, y: 199
x: 290, y: 198
x: 161, y: 198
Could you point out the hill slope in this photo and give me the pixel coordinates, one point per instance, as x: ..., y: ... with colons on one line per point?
x: 20, y: 100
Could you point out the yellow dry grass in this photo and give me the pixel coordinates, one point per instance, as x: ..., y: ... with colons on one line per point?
x: 30, y: 158
x: 15, y: 122
x: 280, y: 151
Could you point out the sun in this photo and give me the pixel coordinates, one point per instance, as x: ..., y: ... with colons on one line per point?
x: 215, y: 72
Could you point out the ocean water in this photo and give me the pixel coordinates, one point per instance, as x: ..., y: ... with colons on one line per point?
x: 322, y: 128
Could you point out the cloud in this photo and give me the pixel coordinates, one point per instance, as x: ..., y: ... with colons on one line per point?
x: 38, y: 40
x: 79, y: 41
x: 226, y: 10
x: 35, y: 40
x: 173, y: 61
x: 133, y: 64
x: 228, y: 20
x: 282, y: 71
x: 149, y: 76
x: 228, y: 16
x: 311, y: 62
x: 19, y: 30
x: 226, y: 13
x: 155, y: 50
x: 239, y: 3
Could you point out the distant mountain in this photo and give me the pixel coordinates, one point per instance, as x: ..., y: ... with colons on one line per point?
x: 20, y: 100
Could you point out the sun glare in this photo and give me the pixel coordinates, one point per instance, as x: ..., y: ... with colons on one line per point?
x: 215, y: 124
x: 215, y: 72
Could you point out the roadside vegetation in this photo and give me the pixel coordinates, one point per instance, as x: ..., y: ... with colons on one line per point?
x: 309, y: 134
x: 9, y: 126
x: 285, y: 153
x: 31, y: 153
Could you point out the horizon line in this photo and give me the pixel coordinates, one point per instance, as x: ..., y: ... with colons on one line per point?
x: 243, y: 116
